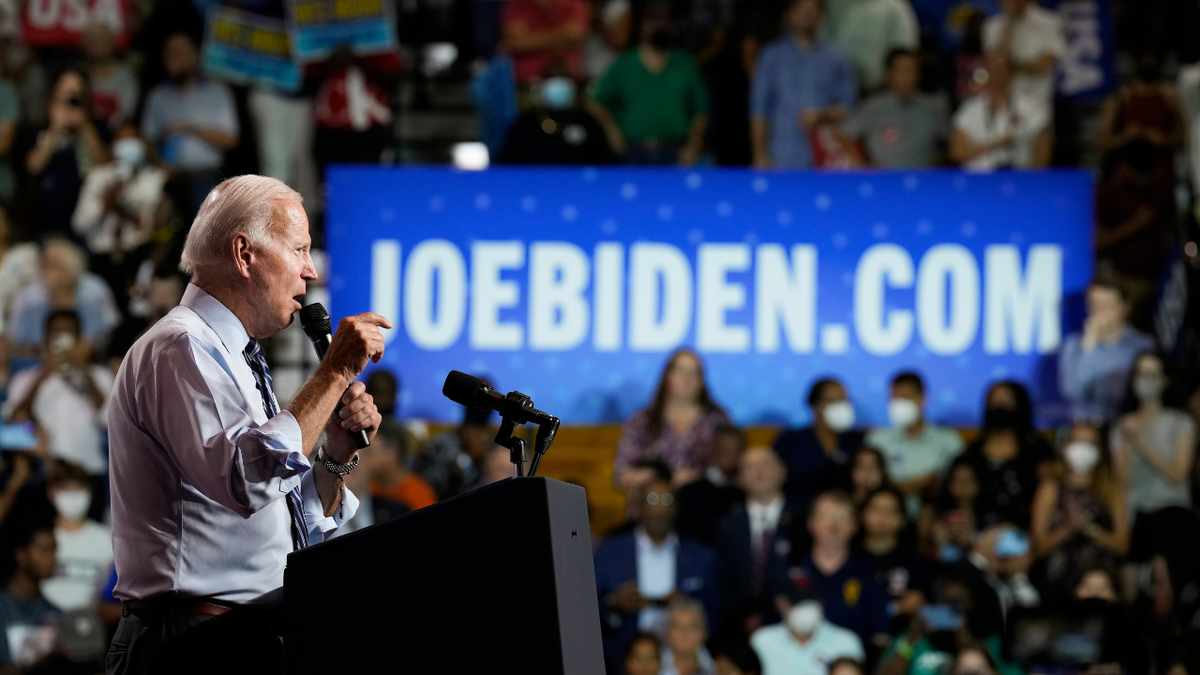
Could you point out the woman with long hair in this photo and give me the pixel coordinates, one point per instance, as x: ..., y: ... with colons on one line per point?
x: 675, y: 429
x: 1079, y: 518
x: 946, y: 529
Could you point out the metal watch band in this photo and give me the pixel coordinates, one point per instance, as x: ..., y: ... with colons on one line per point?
x: 337, y: 469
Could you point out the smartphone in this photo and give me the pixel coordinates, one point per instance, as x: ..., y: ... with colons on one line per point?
x: 18, y: 436
x: 1011, y: 543
x: 942, y: 617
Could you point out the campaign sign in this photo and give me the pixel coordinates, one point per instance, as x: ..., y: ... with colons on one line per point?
x: 246, y: 48
x: 1088, y: 69
x: 574, y: 285
x: 61, y: 23
x: 321, y: 26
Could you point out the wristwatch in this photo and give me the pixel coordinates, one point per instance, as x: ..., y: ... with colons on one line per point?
x: 342, y: 470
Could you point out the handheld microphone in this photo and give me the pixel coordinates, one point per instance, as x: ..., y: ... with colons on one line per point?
x: 473, y: 392
x: 315, y: 321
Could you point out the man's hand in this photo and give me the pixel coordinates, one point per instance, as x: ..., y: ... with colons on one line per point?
x: 358, y: 412
x: 356, y: 342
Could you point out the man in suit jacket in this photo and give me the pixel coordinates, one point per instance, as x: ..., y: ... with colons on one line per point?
x: 638, y: 572
x: 755, y: 543
x: 702, y: 503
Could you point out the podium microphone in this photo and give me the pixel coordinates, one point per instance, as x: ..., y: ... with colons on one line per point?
x: 515, y: 408
x: 315, y: 321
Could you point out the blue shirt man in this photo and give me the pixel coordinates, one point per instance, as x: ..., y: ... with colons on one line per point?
x: 801, y: 82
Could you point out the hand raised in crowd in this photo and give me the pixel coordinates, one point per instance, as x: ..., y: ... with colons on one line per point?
x: 358, y: 412
x: 65, y: 116
x: 356, y: 342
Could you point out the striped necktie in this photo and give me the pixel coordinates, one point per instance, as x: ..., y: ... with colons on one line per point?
x: 262, y: 380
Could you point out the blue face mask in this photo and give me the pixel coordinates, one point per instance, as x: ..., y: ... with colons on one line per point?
x: 558, y: 92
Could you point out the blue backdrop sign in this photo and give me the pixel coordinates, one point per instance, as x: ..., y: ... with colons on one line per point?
x: 573, y: 285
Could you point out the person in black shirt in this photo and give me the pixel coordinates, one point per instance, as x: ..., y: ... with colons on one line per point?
x: 556, y: 130
x: 702, y: 503
x: 899, y: 568
x: 817, y: 456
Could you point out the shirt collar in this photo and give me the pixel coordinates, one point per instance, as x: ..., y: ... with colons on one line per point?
x: 644, y: 543
x: 769, y: 511
x: 218, y: 317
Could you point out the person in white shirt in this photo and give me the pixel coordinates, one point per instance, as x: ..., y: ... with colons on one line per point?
x: 687, y: 631
x: 84, y: 546
x: 67, y: 396
x: 1033, y: 40
x: 805, y: 643
x: 1002, y: 128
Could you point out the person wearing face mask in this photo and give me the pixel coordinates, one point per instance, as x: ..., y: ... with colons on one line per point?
x: 818, y: 455
x: 84, y: 545
x: 653, y: 100
x: 1008, y: 457
x: 556, y: 129
x: 1079, y: 518
x: 916, y: 450
x: 805, y: 643
x: 118, y: 209
x: 1154, y: 446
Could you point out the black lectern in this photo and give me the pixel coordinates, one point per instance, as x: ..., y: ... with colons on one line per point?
x: 498, y: 580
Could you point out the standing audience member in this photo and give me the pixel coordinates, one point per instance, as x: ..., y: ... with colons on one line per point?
x: 806, y: 642
x: 352, y: 111
x: 1003, y: 127
x: 916, y: 450
x: 676, y: 428
x: 868, y: 473
x: 556, y: 129
x: 1079, y: 517
x: 899, y: 568
x: 453, y: 460
x: 28, y: 621
x: 115, y: 90
x: 539, y: 32
x: 684, y: 652
x: 10, y: 116
x: 868, y: 30
x: 653, y: 98
x: 947, y: 527
x: 84, y: 546
x: 608, y: 39
x: 1031, y: 39
x: 702, y: 503
x: 384, y: 388
x: 66, y: 396
x: 19, y: 264
x: 818, y: 456
x: 801, y: 83
x: 640, y: 571
x: 62, y: 154
x: 64, y: 284
x: 1136, y: 230
x: 191, y: 120
x: 901, y: 126
x: 391, y: 478
x: 1145, y: 108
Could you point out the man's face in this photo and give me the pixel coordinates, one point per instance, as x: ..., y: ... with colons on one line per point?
x: 179, y: 57
x: 760, y: 472
x: 831, y: 523
x: 903, y: 75
x: 804, y: 16
x: 281, y: 270
x: 725, y: 450
x: 658, y: 508
x: 685, y: 632
x: 57, y: 273
x: 40, y: 556
x: 1106, y: 306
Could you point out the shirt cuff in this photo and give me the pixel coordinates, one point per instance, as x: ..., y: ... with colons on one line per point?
x: 320, y: 526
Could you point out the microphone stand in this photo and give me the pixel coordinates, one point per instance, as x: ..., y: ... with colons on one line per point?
x: 517, y: 445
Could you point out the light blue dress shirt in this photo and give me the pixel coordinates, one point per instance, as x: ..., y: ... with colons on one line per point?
x: 790, y: 81
x: 199, y: 476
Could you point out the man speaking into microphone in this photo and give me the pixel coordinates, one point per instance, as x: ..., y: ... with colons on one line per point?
x: 211, y: 484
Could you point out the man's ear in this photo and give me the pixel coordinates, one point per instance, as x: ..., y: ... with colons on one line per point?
x: 243, y: 254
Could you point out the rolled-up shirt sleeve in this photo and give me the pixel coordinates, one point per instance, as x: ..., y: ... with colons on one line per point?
x: 320, y: 526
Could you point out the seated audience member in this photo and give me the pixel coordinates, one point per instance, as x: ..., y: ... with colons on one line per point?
x: 1001, y: 128
x: 702, y: 503
x: 371, y: 509
x: 806, y: 642
x: 801, y: 83
x: 1002, y: 555
x: 684, y: 652
x: 867, y: 473
x: 818, y: 455
x: 974, y: 659
x: 115, y: 89
x: 676, y: 428
x: 639, y: 571
x: 84, y: 546
x: 1095, y: 592
x: 899, y: 568
x: 737, y: 658
x: 540, y: 32
x: 62, y: 153
x: 916, y: 450
x: 556, y: 129
x: 844, y: 581
x: 1135, y: 217
x: 1079, y: 518
x: 384, y: 388
x: 1096, y: 583
x: 497, y: 466
x: 1145, y: 108
x: 947, y: 528
x: 390, y: 476
x: 66, y: 396
x: 1154, y: 446
x: 867, y: 31
x: 846, y: 665
x: 1009, y: 456
x: 191, y: 121
x: 63, y: 285
x: 756, y: 541
x: 643, y: 655
x: 453, y: 460
x: 653, y: 98
x: 1093, y: 366
x: 19, y: 263
x: 118, y: 210
x: 27, y: 620
x: 1031, y: 39
x: 900, y: 126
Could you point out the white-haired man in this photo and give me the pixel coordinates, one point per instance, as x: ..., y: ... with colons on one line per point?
x: 211, y: 487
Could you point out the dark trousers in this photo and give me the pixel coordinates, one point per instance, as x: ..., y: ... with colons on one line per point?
x: 163, y: 641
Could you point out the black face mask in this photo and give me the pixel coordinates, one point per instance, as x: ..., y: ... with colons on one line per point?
x: 661, y: 38
x: 1000, y: 419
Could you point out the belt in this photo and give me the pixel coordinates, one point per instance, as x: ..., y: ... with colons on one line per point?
x: 168, y: 604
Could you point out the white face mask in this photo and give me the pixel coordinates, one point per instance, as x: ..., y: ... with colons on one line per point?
x: 1148, y: 387
x: 130, y: 152
x: 839, y: 415
x: 1081, y: 457
x: 903, y: 413
x: 72, y: 504
x: 805, y: 617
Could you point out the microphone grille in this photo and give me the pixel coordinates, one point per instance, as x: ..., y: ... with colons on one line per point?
x: 462, y: 388
x: 315, y: 321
